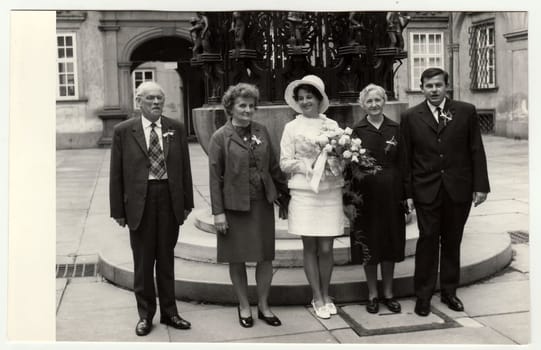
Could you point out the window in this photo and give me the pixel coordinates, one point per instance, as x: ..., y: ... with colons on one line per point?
x: 139, y: 76
x: 66, y: 67
x: 482, y: 58
x: 486, y: 120
x: 426, y: 50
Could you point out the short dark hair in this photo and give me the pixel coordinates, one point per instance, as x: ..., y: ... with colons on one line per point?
x: 240, y: 90
x: 310, y: 88
x: 432, y: 72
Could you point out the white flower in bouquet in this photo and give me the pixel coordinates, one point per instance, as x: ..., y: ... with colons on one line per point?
x: 347, y: 154
x: 344, y: 139
x: 362, y: 151
x: 355, y: 159
x: 334, y: 142
x: 322, y: 140
x: 348, y: 131
x: 356, y: 141
x: 354, y: 147
x: 328, y: 148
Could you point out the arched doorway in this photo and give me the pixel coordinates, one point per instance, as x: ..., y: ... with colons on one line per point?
x: 166, y: 60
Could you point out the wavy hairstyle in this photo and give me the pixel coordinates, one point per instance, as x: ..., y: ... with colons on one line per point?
x: 240, y: 90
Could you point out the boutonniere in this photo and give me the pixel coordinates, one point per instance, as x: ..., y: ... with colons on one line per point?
x: 447, y: 116
x: 168, y: 135
x: 255, y: 141
x: 390, y: 143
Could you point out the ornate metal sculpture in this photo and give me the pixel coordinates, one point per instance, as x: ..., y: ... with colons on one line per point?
x: 396, y: 22
x: 356, y: 28
x: 200, y: 34
x: 205, y: 31
x: 238, y: 27
x: 271, y: 48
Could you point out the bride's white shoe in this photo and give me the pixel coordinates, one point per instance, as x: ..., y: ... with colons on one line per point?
x: 322, y: 311
x: 332, y: 308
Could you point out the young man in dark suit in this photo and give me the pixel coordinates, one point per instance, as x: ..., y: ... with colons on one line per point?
x: 151, y: 192
x: 445, y: 170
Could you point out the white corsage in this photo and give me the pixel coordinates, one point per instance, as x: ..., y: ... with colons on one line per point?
x: 447, y: 116
x: 390, y: 143
x: 168, y: 135
x: 256, y: 139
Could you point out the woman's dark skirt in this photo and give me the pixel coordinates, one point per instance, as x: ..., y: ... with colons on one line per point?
x: 250, y: 237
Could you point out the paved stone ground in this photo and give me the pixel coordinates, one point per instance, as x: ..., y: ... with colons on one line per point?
x: 497, y: 309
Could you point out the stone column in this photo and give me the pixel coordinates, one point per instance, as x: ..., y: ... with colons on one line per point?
x: 111, y: 113
x: 110, y: 65
x: 455, y: 69
x: 125, y: 86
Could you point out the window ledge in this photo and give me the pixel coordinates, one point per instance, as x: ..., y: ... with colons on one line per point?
x: 75, y: 100
x: 420, y: 92
x: 413, y: 92
x: 516, y: 36
x: 492, y: 89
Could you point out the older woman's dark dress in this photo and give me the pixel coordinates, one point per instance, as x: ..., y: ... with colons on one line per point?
x: 382, y: 223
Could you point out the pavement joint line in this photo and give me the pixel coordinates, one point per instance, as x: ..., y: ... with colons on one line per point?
x: 62, y: 296
x: 501, y: 314
x: 87, y: 211
x: 201, y: 194
x: 500, y: 333
x: 289, y: 334
x: 504, y: 271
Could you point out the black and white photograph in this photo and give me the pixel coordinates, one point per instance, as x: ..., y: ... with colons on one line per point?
x: 288, y: 177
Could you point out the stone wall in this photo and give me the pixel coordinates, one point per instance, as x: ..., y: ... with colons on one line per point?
x: 77, y: 123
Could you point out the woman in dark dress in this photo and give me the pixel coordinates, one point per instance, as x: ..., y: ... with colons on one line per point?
x: 245, y: 180
x: 382, y: 221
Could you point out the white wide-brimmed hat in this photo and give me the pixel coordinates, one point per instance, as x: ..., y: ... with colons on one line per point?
x: 312, y: 80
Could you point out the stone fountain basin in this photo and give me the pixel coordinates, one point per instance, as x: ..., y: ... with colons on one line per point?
x: 208, y: 119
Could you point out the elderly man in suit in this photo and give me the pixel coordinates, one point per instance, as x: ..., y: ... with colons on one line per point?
x: 444, y: 171
x: 151, y: 192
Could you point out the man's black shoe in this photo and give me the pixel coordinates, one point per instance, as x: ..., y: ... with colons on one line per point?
x: 143, y: 327
x: 422, y: 307
x: 175, y: 321
x: 452, y: 302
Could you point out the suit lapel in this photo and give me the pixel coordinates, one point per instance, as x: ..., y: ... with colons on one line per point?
x: 233, y: 136
x: 427, y: 117
x: 165, y: 128
x: 448, y: 108
x: 139, y: 135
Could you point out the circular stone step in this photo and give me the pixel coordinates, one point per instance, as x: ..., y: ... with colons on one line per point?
x: 482, y: 255
x: 197, y: 242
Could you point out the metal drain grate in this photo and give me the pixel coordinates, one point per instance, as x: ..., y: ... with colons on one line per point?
x: 76, y: 270
x: 519, y: 237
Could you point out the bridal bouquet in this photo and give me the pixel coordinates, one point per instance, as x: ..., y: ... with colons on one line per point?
x: 340, y: 152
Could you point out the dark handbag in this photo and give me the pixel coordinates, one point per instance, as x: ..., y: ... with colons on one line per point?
x: 283, y: 202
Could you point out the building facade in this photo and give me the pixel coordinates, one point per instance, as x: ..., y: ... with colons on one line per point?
x: 104, y: 55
